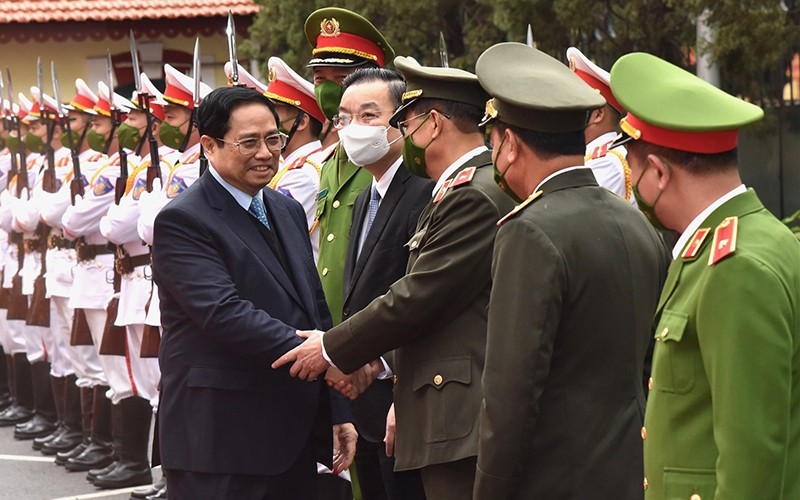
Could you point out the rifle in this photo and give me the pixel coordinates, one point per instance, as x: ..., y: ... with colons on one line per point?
x: 196, y: 95
x: 49, y: 175
x: 8, y: 125
x: 143, y: 95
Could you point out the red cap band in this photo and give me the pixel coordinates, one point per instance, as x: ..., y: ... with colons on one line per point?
x: 82, y: 103
x: 175, y: 95
x: 348, y: 43
x: 717, y: 141
x: 280, y: 91
x: 103, y: 107
x: 604, y: 89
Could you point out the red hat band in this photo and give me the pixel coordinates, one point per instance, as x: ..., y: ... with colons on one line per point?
x: 713, y: 142
x: 82, y: 103
x: 103, y: 107
x: 158, y: 111
x: 175, y: 95
x: 285, y: 93
x: 348, y: 43
x: 601, y: 86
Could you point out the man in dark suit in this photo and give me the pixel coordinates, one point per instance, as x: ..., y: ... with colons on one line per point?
x: 577, y: 273
x: 236, y: 279
x: 435, y: 316
x: 384, y: 219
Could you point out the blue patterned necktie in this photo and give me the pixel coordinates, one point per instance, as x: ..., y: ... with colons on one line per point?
x: 374, y: 202
x: 257, y: 209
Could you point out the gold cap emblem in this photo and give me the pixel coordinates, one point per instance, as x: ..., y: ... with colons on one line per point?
x: 329, y: 27
x: 272, y: 76
x: 491, y: 112
x: 411, y: 94
x: 572, y: 63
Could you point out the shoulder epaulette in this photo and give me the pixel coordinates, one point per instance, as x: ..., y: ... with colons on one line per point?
x: 724, y: 243
x: 695, y: 243
x: 442, y: 191
x: 464, y: 177
x: 64, y: 161
x: 510, y: 215
x: 191, y: 159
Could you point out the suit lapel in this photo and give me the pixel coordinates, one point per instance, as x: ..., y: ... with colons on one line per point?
x: 240, y: 222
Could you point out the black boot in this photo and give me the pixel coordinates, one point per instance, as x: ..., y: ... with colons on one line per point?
x: 58, y: 386
x: 70, y: 422
x: 22, y: 409
x: 116, y: 434
x: 45, y: 417
x: 86, y: 399
x: 98, y: 453
x: 133, y: 468
x: 5, y: 380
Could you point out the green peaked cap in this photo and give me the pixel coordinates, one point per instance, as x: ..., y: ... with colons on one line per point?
x: 451, y: 84
x: 534, y: 91
x: 340, y: 37
x: 671, y: 107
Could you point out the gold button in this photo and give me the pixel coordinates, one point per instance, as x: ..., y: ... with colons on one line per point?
x: 663, y: 333
x: 325, y: 271
x: 695, y: 497
x: 413, y: 245
x: 644, y: 433
x: 650, y: 383
x: 645, y: 484
x: 336, y: 203
x: 331, y: 237
x: 437, y: 379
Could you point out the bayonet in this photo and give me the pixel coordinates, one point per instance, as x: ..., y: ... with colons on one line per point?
x: 116, y: 119
x: 49, y: 175
x: 203, y: 165
x: 137, y: 81
x: 21, y: 170
x: 230, y: 31
x: 77, y: 178
x: 41, y: 88
x: 529, y: 38
x: 443, y: 51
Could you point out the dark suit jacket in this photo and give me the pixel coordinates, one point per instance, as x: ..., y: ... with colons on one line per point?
x: 577, y: 275
x: 383, y: 261
x: 435, y: 319
x: 229, y: 309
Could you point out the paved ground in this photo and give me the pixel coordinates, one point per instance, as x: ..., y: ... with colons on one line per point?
x: 25, y: 474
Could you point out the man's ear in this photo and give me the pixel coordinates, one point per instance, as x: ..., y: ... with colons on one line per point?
x: 663, y: 170
x: 512, y: 143
x: 597, y: 116
x: 209, y: 144
x: 305, y: 122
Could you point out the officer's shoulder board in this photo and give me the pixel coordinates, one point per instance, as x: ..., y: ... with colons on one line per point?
x: 510, y: 215
x: 598, y: 152
x: 724, y: 243
x: 463, y: 178
x: 693, y: 247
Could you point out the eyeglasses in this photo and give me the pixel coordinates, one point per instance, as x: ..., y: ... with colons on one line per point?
x: 249, y: 147
x: 342, y: 120
x: 402, y: 126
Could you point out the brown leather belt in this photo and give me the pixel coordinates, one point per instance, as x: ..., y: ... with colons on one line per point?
x: 86, y: 252
x: 56, y: 241
x: 32, y: 245
x: 125, y: 264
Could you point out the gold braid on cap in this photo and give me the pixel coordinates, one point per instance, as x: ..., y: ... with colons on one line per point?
x: 276, y: 97
x: 411, y: 94
x: 491, y: 112
x: 346, y: 50
x: 630, y: 129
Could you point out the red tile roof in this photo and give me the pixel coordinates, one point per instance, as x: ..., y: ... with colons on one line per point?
x: 42, y: 11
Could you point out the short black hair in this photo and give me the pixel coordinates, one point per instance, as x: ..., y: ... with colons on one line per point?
x: 548, y: 145
x: 214, y: 113
x: 696, y: 163
x: 465, y: 116
x: 397, y: 86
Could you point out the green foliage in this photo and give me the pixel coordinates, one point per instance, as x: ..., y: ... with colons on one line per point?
x: 752, y: 36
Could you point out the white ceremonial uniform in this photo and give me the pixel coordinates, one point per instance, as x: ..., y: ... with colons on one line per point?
x: 61, y: 261
x: 298, y: 178
x: 610, y: 166
x: 119, y: 226
x: 93, y: 288
x: 5, y: 168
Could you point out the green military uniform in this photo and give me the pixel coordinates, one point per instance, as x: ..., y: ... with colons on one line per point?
x: 723, y: 415
x: 576, y: 277
x: 340, y: 184
x: 345, y: 39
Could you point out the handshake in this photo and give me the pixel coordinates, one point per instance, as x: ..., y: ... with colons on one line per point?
x: 308, y: 363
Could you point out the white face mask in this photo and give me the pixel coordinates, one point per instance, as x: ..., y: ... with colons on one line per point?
x: 365, y: 144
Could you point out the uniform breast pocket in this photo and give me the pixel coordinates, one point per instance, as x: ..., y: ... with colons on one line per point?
x: 674, y: 355
x: 321, y: 198
x: 689, y: 483
x: 447, y: 408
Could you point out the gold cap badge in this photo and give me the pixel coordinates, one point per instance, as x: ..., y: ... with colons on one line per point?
x: 329, y: 27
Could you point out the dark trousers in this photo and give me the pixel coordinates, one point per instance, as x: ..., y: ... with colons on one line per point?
x: 297, y: 483
x: 377, y: 478
x: 451, y: 480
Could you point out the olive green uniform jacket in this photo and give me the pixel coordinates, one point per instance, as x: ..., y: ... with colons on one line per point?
x: 723, y: 415
x: 576, y: 279
x: 435, y: 318
x: 340, y: 184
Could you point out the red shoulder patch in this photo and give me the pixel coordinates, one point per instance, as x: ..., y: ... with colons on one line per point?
x: 600, y: 151
x: 443, y: 191
x: 464, y: 177
x: 298, y: 163
x: 724, y: 240
x: 697, y: 240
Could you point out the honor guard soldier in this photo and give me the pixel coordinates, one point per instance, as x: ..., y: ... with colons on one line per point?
x: 41, y: 345
x: 435, y: 316
x: 726, y: 365
x: 22, y: 409
x: 61, y: 259
x: 576, y: 273
x: 92, y: 287
x: 7, y: 361
x: 301, y: 121
x: 342, y: 42
x: 608, y: 164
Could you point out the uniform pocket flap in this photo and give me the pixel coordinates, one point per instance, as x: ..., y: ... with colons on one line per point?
x: 671, y: 326
x: 689, y: 483
x: 440, y: 373
x: 414, y: 242
x: 219, y: 378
